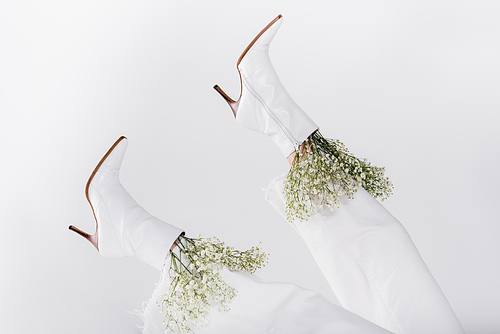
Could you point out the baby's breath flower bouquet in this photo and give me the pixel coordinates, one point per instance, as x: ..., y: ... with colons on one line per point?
x: 322, y: 171
x: 196, y: 283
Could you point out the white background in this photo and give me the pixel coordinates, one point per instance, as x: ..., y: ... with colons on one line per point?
x: 411, y: 85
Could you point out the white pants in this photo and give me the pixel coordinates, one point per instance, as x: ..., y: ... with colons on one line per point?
x: 371, y: 264
x: 265, y: 308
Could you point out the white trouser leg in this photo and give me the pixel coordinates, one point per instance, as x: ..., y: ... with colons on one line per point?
x: 265, y: 308
x: 373, y: 266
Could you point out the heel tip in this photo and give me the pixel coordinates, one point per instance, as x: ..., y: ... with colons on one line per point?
x: 216, y: 86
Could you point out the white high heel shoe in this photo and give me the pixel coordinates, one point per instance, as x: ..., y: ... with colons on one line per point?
x: 123, y: 227
x: 264, y: 104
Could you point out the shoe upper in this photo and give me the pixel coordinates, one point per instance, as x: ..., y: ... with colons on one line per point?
x: 124, y: 227
x: 265, y: 105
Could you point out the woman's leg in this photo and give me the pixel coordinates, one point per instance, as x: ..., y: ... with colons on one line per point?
x: 373, y: 266
x: 278, y: 308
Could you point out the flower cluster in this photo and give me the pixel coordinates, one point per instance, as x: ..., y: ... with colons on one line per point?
x: 323, y: 171
x: 196, y: 283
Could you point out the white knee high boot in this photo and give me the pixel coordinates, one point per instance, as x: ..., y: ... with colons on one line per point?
x: 123, y: 227
x: 264, y: 104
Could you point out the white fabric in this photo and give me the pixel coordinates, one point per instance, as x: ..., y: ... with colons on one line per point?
x: 262, y: 308
x: 373, y: 266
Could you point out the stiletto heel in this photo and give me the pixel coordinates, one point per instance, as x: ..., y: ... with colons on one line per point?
x: 123, y: 227
x: 89, y: 237
x: 264, y: 105
x: 232, y: 103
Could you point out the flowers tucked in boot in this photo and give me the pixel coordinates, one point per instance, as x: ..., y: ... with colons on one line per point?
x: 322, y: 171
x: 195, y: 281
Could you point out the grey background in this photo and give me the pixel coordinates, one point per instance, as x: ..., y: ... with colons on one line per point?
x: 411, y: 85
